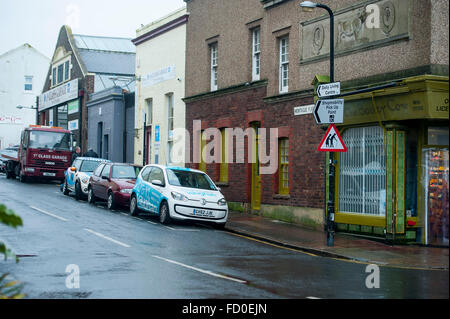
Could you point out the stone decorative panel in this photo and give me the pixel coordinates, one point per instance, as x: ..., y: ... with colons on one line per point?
x: 351, y: 29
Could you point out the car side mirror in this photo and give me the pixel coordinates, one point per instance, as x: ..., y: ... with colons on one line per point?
x: 157, y: 182
x: 105, y: 177
x: 73, y: 169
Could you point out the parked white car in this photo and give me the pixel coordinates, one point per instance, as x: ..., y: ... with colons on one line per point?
x: 77, y: 176
x: 178, y: 193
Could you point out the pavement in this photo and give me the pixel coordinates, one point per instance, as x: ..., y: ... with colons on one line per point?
x: 346, y: 247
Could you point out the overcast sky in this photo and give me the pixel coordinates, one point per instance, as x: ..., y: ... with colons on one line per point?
x: 37, y: 22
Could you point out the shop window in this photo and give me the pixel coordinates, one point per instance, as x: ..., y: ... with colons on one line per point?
x: 223, y: 176
x: 362, y: 172
x: 435, y: 164
x: 62, y: 116
x: 438, y: 136
x: 283, y: 167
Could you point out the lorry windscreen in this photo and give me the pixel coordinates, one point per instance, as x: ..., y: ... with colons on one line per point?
x: 51, y: 140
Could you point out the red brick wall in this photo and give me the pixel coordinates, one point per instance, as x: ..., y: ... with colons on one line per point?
x: 306, y: 165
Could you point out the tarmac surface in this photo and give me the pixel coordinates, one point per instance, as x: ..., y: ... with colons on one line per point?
x: 120, y: 256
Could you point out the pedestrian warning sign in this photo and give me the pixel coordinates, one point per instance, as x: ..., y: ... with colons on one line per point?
x: 332, y: 141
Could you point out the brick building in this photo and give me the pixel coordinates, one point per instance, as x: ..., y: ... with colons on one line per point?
x: 234, y: 50
x: 80, y: 66
x: 257, y: 62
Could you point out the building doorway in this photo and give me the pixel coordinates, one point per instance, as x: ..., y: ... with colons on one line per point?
x: 256, y: 176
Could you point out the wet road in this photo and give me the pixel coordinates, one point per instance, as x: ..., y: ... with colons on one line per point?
x: 120, y: 256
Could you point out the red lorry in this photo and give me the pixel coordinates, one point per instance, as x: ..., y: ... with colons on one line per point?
x: 44, y: 153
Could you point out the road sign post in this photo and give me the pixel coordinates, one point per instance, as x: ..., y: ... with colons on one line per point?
x: 330, y: 111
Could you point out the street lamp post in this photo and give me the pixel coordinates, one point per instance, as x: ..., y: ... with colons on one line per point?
x: 309, y: 6
x: 30, y: 108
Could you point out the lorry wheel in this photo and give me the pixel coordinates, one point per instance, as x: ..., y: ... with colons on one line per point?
x: 78, y: 194
x: 22, y: 178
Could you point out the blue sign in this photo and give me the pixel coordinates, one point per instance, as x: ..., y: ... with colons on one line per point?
x: 157, y: 133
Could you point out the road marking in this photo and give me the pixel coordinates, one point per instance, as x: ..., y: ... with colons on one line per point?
x: 49, y: 214
x: 312, y: 297
x: 207, y: 272
x: 151, y: 222
x: 169, y: 227
x: 107, y: 238
x: 124, y: 214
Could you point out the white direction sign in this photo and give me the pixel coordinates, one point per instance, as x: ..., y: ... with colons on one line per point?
x: 329, y: 111
x: 329, y: 89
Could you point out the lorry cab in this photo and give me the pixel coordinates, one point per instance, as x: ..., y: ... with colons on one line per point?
x: 44, y: 152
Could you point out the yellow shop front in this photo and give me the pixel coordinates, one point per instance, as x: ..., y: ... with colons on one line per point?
x: 393, y: 180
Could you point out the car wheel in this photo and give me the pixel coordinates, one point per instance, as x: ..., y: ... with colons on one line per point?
x: 65, y: 188
x: 134, y: 210
x: 78, y: 192
x: 91, y: 196
x: 164, y: 215
x: 110, y: 202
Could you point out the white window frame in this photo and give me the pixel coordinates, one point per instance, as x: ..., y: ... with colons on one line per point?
x: 30, y: 77
x: 149, y: 111
x: 170, y: 116
x: 214, y: 56
x: 284, y: 64
x: 256, y: 54
x: 66, y: 67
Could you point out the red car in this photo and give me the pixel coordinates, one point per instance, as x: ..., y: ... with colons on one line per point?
x: 113, y: 182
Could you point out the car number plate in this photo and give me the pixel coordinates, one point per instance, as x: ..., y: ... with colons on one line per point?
x: 49, y: 174
x: 203, y: 213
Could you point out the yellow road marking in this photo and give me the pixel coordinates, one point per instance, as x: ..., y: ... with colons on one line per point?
x: 335, y: 258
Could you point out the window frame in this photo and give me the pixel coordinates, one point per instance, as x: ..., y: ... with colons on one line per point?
x: 214, y: 52
x: 65, y: 74
x: 30, y: 78
x: 283, y: 189
x: 256, y: 54
x: 284, y: 64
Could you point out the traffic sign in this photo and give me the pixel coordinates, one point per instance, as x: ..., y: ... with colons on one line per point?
x: 332, y: 141
x: 329, y: 89
x: 329, y: 111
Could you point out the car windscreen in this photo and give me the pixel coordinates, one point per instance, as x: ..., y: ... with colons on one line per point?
x: 89, y: 166
x: 124, y: 172
x: 189, y: 179
x: 50, y: 140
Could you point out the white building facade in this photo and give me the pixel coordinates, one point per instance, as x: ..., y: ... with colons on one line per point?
x: 22, y: 76
x: 160, y: 72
